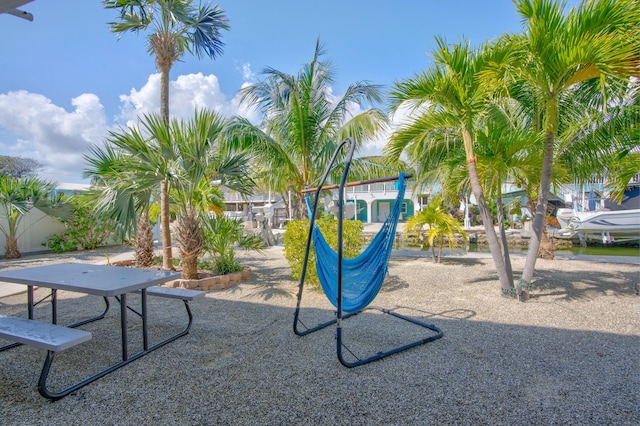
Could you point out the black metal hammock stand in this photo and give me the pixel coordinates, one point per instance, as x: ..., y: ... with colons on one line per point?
x: 352, y: 284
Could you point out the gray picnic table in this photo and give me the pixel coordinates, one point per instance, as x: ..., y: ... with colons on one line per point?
x: 97, y: 280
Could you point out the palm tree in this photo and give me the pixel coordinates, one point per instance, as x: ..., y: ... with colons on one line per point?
x: 187, y: 155
x: 18, y: 196
x: 601, y: 143
x: 450, y: 103
x: 591, y: 46
x: 303, y: 124
x: 175, y: 27
x: 202, y: 154
x: 440, y: 225
x: 123, y: 191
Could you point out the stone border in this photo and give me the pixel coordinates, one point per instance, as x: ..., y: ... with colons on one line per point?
x: 215, y: 282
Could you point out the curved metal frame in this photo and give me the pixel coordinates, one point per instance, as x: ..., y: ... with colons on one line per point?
x: 126, y: 359
x: 340, y: 316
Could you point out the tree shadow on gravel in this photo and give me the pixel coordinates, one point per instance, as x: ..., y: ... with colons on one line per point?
x: 572, y: 285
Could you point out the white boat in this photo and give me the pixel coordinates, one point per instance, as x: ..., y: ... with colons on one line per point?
x: 607, y: 226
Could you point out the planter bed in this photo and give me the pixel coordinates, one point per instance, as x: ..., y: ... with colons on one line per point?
x: 207, y: 282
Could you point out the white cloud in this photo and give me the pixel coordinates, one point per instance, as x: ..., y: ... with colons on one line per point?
x: 32, y: 126
x: 402, y: 116
x: 247, y: 74
x: 48, y: 133
x: 186, y: 94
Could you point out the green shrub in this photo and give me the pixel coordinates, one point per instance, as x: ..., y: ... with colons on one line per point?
x: 59, y: 243
x: 222, y: 235
x: 295, y: 240
x: 84, y: 228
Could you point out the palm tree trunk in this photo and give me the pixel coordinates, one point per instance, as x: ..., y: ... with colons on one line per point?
x: 167, y: 256
x: 540, y: 214
x: 144, y: 243
x: 164, y: 94
x: 189, y: 237
x: 11, y: 249
x: 506, y: 282
x: 503, y: 239
x: 300, y: 207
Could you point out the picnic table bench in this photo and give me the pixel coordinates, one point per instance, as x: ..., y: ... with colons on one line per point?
x: 51, y: 337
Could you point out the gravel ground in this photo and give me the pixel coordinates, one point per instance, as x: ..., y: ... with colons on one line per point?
x: 570, y: 355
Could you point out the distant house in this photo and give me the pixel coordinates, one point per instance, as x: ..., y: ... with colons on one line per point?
x: 373, y: 203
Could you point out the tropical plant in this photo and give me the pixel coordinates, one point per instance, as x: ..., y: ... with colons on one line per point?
x: 85, y: 228
x: 18, y: 196
x: 593, y: 47
x: 189, y: 155
x: 440, y: 225
x: 449, y: 103
x: 123, y: 188
x: 506, y: 149
x: 303, y: 125
x: 202, y: 158
x: 221, y: 237
x: 175, y: 27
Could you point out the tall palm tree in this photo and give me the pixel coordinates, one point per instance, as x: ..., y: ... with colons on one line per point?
x: 175, y: 27
x: 18, y: 196
x: 450, y: 104
x: 594, y: 44
x: 304, y: 123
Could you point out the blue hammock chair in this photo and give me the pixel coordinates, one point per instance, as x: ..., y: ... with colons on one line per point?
x: 351, y: 284
x: 362, y: 276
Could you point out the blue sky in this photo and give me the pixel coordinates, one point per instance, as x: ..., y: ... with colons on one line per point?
x: 65, y: 79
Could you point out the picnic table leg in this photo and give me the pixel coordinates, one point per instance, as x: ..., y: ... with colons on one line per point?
x: 54, y: 306
x: 30, y: 301
x: 145, y: 334
x: 123, y: 325
x: 107, y: 305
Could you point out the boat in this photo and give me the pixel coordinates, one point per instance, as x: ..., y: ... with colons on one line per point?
x: 607, y: 226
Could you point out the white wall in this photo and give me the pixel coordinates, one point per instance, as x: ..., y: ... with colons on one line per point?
x: 33, y: 231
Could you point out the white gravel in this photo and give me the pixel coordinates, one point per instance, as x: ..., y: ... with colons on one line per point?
x: 570, y: 355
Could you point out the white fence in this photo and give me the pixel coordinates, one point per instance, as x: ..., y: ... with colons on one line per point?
x: 33, y: 231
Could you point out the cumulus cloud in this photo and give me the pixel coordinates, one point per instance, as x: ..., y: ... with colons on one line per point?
x: 38, y: 129
x: 32, y: 126
x: 403, y: 115
x: 186, y: 94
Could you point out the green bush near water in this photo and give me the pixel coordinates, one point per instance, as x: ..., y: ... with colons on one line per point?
x: 295, y: 241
